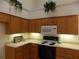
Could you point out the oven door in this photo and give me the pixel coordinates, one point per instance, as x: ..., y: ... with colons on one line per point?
x: 46, y: 52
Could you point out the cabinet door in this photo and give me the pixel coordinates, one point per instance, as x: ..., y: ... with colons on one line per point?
x: 49, y: 21
x: 72, y: 24
x: 52, y: 21
x: 33, y: 51
x: 35, y: 26
x: 19, y: 53
x: 14, y: 25
x: 62, y: 25
x: 68, y: 25
x: 76, y: 54
x: 4, y: 17
x: 60, y: 57
x: 44, y: 22
x: 9, y: 52
x: 24, y: 25
x: 26, y: 51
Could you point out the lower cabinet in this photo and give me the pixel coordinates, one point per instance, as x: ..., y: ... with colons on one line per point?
x: 19, y: 53
x: 13, y: 53
x: 33, y: 51
x: 28, y: 51
x: 60, y: 57
x: 76, y: 54
x: 63, y: 53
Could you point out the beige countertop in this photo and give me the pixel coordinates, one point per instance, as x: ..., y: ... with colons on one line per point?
x: 15, y: 45
x: 63, y: 45
x: 69, y: 46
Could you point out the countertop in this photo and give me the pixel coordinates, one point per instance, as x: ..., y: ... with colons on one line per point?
x: 63, y: 45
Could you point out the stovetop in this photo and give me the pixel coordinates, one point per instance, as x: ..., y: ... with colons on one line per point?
x: 49, y: 41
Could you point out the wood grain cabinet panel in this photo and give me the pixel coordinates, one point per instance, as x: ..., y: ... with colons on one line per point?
x: 33, y: 51
x: 68, y: 24
x: 72, y: 25
x: 24, y: 25
x: 63, y: 53
x: 14, y: 25
x: 5, y: 18
x: 76, y: 54
x: 26, y: 51
x: 60, y: 57
x: 13, y: 53
x: 49, y: 21
x: 35, y: 26
x: 44, y: 22
x: 52, y: 21
x: 62, y: 26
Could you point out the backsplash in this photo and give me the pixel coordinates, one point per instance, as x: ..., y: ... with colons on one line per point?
x: 65, y: 38
x: 26, y: 36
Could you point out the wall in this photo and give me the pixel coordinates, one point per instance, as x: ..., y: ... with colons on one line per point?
x: 26, y: 36
x: 34, y: 8
x: 66, y: 38
x: 5, y: 7
x: 63, y: 8
x: 3, y: 38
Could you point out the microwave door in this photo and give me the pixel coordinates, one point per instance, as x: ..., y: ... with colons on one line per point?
x: 49, y: 30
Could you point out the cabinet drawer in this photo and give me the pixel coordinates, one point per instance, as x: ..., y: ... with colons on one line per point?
x: 64, y: 50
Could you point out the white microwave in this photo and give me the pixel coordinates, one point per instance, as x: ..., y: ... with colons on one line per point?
x: 49, y: 30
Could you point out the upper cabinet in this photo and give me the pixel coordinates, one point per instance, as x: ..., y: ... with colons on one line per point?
x: 5, y: 18
x: 35, y: 25
x: 14, y: 25
x: 17, y: 25
x: 68, y: 25
x: 65, y: 24
x: 24, y: 25
x: 49, y: 21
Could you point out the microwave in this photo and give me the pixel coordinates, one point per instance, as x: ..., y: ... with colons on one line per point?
x: 49, y: 30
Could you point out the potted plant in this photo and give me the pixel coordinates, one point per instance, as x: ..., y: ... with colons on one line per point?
x: 49, y: 6
x: 16, y: 4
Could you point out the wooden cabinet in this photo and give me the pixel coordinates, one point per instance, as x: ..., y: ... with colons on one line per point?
x: 14, y: 25
x: 24, y: 25
x: 5, y: 18
x: 13, y: 53
x: 28, y: 51
x: 19, y: 53
x: 49, y: 21
x: 17, y: 25
x: 68, y: 24
x: 65, y: 24
x: 62, y: 24
x: 33, y: 51
x: 76, y: 54
x: 72, y: 24
x: 35, y: 26
x: 63, y: 53
x: 60, y: 57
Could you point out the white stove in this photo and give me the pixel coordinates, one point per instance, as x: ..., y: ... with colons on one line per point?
x: 49, y: 41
